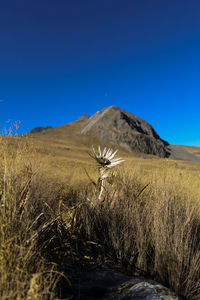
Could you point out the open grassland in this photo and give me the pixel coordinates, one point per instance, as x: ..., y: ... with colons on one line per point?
x: 51, y: 224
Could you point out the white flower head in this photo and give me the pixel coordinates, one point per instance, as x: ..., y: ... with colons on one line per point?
x: 105, y: 158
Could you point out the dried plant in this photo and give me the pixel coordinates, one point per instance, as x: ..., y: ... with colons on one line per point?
x: 105, y: 161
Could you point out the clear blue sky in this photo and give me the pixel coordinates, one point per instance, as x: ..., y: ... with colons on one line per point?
x: 62, y: 58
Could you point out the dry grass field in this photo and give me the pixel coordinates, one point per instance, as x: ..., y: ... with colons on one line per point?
x: 51, y: 223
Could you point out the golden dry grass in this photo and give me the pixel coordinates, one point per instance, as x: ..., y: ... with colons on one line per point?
x: 24, y: 272
x: 147, y: 225
x: 150, y: 228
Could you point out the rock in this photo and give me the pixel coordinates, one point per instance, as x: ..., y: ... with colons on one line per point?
x: 143, y: 289
x: 111, y: 285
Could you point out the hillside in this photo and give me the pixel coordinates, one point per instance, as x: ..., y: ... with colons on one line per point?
x: 114, y: 127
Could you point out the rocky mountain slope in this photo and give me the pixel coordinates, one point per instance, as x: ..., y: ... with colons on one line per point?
x: 114, y: 125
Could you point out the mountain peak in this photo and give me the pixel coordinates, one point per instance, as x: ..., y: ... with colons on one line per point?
x: 114, y: 125
x: 83, y: 117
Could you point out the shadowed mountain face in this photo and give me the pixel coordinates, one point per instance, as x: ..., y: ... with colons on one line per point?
x: 114, y: 125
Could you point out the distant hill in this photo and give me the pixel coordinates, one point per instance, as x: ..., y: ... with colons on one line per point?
x: 83, y: 117
x: 39, y: 129
x: 114, y: 125
x: 188, y: 153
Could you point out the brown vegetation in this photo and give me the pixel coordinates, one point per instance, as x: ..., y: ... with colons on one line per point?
x: 50, y: 225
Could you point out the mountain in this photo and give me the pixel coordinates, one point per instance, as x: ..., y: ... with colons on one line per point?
x: 39, y: 129
x: 83, y: 117
x: 116, y: 126
x: 110, y: 125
